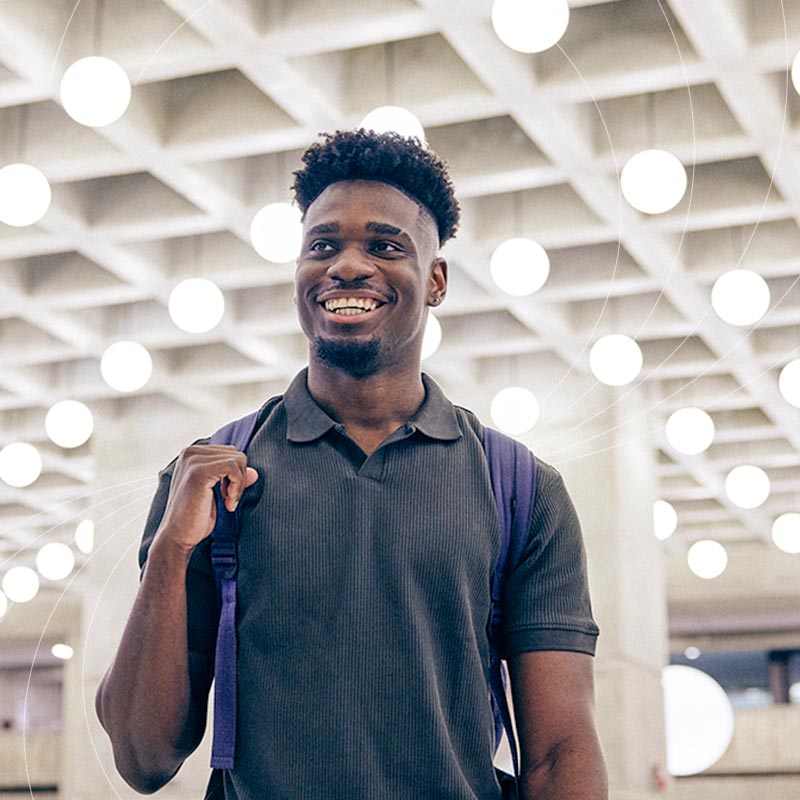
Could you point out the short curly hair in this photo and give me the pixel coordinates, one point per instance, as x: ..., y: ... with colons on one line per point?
x: 402, y: 162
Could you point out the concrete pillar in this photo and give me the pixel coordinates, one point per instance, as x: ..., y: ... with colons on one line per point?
x: 128, y: 454
x: 608, y: 464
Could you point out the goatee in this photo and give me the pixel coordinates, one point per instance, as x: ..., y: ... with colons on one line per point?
x: 358, y: 359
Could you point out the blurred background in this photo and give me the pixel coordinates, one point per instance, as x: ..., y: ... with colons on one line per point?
x: 623, y: 297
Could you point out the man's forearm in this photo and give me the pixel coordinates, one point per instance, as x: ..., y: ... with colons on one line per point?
x: 571, y: 771
x: 144, y: 701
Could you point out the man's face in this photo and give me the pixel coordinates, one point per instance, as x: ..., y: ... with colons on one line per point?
x: 365, y: 276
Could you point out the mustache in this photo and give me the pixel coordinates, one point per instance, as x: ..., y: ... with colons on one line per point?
x: 355, y: 286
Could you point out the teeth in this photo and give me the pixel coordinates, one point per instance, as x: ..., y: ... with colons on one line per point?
x: 351, y: 304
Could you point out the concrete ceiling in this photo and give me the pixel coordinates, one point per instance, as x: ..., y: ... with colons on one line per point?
x: 226, y: 95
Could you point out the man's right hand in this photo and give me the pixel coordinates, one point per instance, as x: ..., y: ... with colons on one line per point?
x: 191, y: 512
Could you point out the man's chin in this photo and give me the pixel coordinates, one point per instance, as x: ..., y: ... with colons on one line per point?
x: 358, y: 359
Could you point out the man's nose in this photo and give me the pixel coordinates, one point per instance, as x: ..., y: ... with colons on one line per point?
x: 351, y: 264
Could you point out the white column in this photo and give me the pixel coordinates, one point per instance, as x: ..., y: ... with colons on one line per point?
x: 609, y: 470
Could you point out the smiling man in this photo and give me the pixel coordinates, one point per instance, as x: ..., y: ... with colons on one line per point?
x: 368, y: 539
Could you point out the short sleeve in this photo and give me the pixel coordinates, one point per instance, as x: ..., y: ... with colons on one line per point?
x: 203, y: 601
x: 546, y: 603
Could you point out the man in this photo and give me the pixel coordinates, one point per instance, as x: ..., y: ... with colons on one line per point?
x: 368, y: 538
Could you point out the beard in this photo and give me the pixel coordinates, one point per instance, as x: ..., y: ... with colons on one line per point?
x: 358, y: 359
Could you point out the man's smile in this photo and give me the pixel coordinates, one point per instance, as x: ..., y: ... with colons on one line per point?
x: 350, y: 306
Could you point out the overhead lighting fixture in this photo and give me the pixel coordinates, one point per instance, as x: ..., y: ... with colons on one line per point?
x: 84, y: 536
x: 530, y: 27
x: 515, y: 410
x: 20, y: 464
x: 24, y: 195
x: 653, y: 181
x: 789, y: 382
x: 699, y: 719
x: 690, y: 430
x: 665, y: 519
x: 747, y: 486
x: 795, y: 73
x: 95, y: 91
x: 432, y: 337
x: 126, y: 366
x: 692, y: 653
x: 69, y: 423
x: 20, y: 584
x: 740, y: 297
x: 707, y: 559
x: 615, y: 360
x: 196, y: 305
x: 519, y: 266
x: 62, y: 651
x: 394, y: 119
x: 276, y: 232
x: 55, y: 561
x: 786, y: 532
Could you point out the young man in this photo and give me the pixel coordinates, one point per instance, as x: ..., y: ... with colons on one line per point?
x: 368, y: 537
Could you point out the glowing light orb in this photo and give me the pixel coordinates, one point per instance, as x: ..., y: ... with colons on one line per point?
x: 653, y: 181
x: 95, y: 91
x: 25, y: 195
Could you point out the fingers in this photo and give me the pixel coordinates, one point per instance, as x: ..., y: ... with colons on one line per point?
x: 233, y: 484
x: 223, y: 464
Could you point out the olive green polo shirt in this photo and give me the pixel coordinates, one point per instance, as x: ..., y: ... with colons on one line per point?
x: 362, y: 604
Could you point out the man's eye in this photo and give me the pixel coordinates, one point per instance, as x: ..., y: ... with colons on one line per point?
x: 320, y: 246
x: 386, y: 247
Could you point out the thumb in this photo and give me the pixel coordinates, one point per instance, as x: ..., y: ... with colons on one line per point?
x: 250, y: 477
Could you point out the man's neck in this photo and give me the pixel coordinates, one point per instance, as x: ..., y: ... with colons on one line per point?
x: 377, y: 404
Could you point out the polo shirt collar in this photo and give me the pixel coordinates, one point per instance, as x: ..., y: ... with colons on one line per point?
x: 306, y: 421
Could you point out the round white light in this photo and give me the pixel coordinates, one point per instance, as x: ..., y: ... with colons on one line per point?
x: 615, y: 359
x: 3, y: 605
x: 55, y: 561
x: 692, y: 653
x: 20, y: 464
x: 740, y: 297
x: 388, y: 119
x: 690, y: 430
x: 698, y: 717
x: 276, y: 232
x: 786, y: 532
x: 530, y: 27
x: 126, y: 366
x: 665, y: 520
x: 95, y: 91
x: 514, y: 410
x: 796, y: 72
x: 196, y: 305
x: 707, y: 559
x: 20, y: 584
x: 653, y: 181
x: 62, y: 651
x: 789, y: 382
x: 24, y: 195
x: 432, y: 337
x: 84, y: 536
x: 69, y: 423
x: 519, y: 266
x: 747, y: 486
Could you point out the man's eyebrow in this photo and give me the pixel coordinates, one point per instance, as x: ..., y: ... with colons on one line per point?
x: 385, y: 228
x: 325, y: 227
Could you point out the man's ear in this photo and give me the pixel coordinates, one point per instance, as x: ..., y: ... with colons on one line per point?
x: 437, y: 284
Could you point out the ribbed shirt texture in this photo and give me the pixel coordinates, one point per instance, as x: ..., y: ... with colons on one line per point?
x: 362, y: 604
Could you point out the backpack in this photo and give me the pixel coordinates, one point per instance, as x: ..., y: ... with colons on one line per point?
x: 512, y: 469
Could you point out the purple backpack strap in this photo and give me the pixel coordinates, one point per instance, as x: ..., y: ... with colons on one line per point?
x: 223, y: 556
x: 512, y: 468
